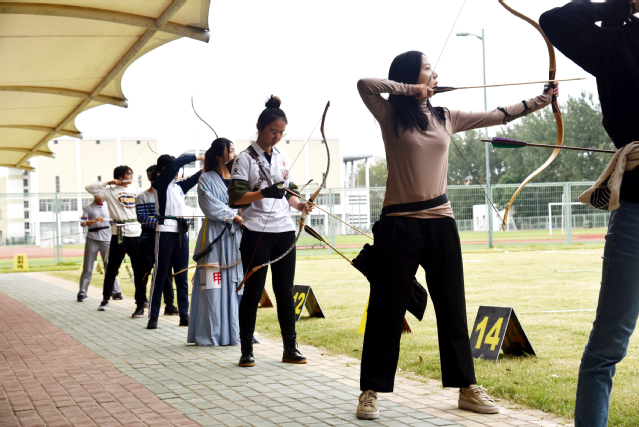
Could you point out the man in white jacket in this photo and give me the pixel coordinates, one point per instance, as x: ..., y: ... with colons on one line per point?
x: 125, y: 231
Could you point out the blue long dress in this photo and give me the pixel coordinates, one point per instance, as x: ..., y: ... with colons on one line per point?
x: 214, y: 312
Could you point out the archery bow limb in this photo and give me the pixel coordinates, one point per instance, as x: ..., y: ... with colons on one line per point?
x: 552, y: 71
x: 198, y: 116
x: 303, y: 219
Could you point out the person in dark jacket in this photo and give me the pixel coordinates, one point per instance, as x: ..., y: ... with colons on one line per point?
x: 609, y: 52
x: 171, y: 234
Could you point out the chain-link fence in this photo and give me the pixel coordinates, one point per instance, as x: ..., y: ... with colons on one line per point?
x: 47, y: 227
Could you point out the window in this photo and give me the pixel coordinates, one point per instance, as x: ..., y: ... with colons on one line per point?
x: 25, y: 182
x: 137, y: 142
x: 55, y: 141
x: 26, y: 191
x: 25, y: 173
x: 87, y: 202
x: 139, y: 180
x: 46, y: 205
x: 26, y: 225
x: 26, y: 214
x: 69, y: 205
x: 26, y: 204
x: 323, y: 141
x: 57, y: 184
x: 317, y: 221
x: 288, y: 141
x: 99, y: 178
x: 97, y: 142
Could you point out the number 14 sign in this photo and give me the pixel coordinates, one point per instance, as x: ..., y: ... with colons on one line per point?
x: 495, y: 329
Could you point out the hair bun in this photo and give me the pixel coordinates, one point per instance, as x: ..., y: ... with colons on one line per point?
x: 273, y: 102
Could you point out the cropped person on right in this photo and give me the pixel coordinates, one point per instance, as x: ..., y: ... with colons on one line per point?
x: 611, y: 54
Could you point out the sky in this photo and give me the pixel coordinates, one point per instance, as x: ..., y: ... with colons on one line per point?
x: 308, y: 53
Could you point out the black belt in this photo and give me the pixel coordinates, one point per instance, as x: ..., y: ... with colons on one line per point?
x: 93, y: 230
x: 416, y: 206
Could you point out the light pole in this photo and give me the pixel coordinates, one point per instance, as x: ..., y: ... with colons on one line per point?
x: 489, y: 193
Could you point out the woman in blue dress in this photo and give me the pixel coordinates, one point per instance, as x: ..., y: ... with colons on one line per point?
x: 214, y: 303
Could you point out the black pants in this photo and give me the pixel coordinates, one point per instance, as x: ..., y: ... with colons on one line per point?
x: 271, y: 245
x: 130, y: 246
x: 402, y: 245
x: 147, y: 253
x: 171, y: 253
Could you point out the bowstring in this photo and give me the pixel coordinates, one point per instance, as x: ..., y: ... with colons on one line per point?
x: 432, y: 109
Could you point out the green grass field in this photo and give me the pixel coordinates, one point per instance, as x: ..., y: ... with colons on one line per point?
x: 532, y: 281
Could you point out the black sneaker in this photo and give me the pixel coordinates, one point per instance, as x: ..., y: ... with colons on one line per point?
x: 104, y: 306
x: 146, y: 304
x: 81, y: 297
x: 184, y: 320
x: 153, y: 324
x: 170, y: 310
x: 139, y: 312
x: 117, y: 296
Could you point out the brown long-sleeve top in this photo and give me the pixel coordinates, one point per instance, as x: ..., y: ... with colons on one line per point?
x: 417, y: 161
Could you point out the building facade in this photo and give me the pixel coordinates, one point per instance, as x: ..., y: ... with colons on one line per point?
x: 34, y: 204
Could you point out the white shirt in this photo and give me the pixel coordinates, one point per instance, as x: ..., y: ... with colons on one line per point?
x: 93, y: 211
x: 121, y: 205
x: 275, y: 213
x: 174, y: 207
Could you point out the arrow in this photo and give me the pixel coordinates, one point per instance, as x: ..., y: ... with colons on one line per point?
x: 440, y: 89
x: 512, y: 143
x: 315, y: 234
x: 325, y: 211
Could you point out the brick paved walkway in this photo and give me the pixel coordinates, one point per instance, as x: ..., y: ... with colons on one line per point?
x: 67, y: 361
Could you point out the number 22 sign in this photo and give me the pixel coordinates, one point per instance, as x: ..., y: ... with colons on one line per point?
x: 495, y: 329
x: 304, y: 296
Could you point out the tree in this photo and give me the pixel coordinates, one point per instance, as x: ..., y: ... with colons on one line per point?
x: 582, y: 120
x: 377, y: 173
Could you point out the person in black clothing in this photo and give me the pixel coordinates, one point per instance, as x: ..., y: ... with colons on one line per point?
x: 145, y: 208
x: 611, y: 54
x: 171, y: 234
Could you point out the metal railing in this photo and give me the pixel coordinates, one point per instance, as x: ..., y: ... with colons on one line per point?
x: 46, y: 226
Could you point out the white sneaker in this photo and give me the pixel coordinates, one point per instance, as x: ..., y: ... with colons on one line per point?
x: 104, y: 306
x: 367, y: 408
x: 476, y: 399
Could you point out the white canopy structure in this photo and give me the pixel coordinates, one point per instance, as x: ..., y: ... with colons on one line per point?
x: 60, y: 58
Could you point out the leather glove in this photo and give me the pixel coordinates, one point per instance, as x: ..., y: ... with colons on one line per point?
x: 275, y: 191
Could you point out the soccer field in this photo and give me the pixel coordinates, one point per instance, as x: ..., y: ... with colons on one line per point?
x: 533, y: 282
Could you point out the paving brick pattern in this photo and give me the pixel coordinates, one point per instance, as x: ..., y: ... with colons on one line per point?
x: 50, y: 379
x: 170, y: 379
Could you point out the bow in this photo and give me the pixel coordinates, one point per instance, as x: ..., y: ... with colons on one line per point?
x: 303, y: 219
x: 555, y: 109
x: 198, y: 116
